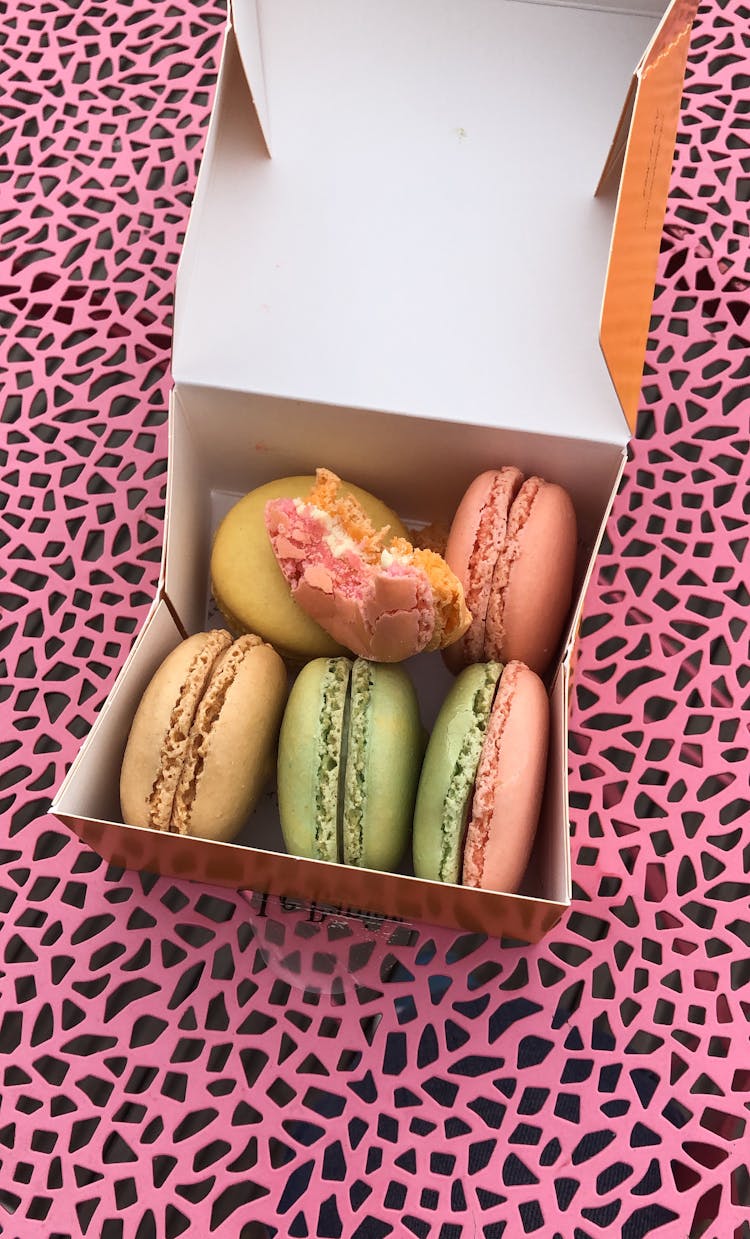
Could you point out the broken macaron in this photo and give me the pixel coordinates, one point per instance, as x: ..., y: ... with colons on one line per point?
x: 251, y: 592
x: 384, y: 601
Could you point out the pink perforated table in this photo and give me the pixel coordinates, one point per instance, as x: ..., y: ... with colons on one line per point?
x: 177, y: 1060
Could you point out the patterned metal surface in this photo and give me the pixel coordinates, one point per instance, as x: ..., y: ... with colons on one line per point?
x: 182, y: 1061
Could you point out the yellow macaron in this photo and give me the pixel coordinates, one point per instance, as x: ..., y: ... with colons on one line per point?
x: 248, y: 584
x: 201, y: 745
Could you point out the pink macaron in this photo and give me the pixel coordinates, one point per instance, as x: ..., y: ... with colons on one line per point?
x: 509, y: 783
x: 482, y: 782
x: 512, y: 544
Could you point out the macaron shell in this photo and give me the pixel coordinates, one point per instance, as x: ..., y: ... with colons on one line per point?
x: 385, y: 626
x: 533, y: 582
x: 449, y: 767
x: 248, y: 585
x: 300, y: 740
x: 385, y: 768
x: 161, y: 724
x: 475, y: 540
x: 509, y: 784
x: 233, y: 737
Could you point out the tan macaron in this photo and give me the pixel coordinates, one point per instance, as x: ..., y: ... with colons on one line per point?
x: 201, y: 745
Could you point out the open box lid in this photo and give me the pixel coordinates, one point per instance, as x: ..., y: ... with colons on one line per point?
x: 640, y: 159
x: 425, y: 237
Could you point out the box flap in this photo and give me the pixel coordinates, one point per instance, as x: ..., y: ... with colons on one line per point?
x: 428, y: 248
x: 644, y: 148
x: 246, y: 20
x: 612, y: 170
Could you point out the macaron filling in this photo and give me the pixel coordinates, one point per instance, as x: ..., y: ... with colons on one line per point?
x: 329, y: 774
x: 300, y: 533
x: 356, y: 762
x: 458, y: 798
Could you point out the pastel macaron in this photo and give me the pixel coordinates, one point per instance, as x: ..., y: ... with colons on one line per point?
x: 482, y: 781
x: 247, y: 583
x: 380, y: 596
x: 512, y: 544
x: 201, y: 745
x: 350, y: 750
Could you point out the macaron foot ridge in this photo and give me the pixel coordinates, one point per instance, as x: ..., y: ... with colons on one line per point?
x: 458, y: 800
x: 331, y: 759
x: 206, y: 717
x: 356, y: 763
x: 517, y: 518
x: 177, y: 735
x: 509, y: 783
x: 503, y: 485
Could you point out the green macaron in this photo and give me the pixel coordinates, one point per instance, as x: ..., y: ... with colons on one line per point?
x: 448, y: 773
x: 349, y: 758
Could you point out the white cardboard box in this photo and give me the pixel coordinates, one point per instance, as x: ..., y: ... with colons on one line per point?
x: 394, y: 267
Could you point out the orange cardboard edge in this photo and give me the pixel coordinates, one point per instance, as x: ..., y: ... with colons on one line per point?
x: 612, y: 170
x: 397, y: 896
x: 656, y: 94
